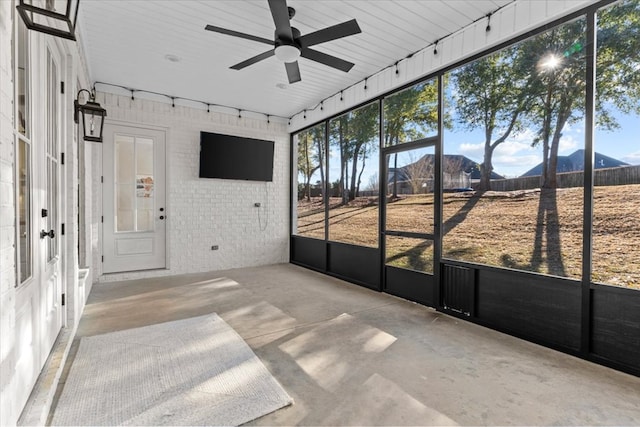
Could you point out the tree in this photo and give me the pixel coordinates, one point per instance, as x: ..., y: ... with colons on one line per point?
x: 355, y: 136
x: 307, y: 165
x: 491, y: 94
x: 311, y: 152
x: 410, y: 115
x: 557, y: 87
x: 560, y: 75
x: 420, y: 173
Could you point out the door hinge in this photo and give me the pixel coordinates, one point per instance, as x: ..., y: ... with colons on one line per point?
x: 62, y: 87
x: 102, y: 219
x: 64, y: 300
x: 102, y: 258
x: 101, y: 179
x: 62, y: 229
x: 62, y: 158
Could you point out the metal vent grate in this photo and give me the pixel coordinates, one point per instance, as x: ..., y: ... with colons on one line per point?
x: 458, y: 286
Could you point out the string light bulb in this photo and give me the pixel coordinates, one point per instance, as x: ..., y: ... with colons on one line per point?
x: 488, y: 23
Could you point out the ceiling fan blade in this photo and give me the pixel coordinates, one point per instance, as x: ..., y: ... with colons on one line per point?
x: 334, y: 32
x: 325, y: 59
x: 253, y: 60
x: 237, y: 34
x: 280, y: 14
x: 293, y: 71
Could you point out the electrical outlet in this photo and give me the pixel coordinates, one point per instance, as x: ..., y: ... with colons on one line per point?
x: 256, y: 204
x: 215, y: 247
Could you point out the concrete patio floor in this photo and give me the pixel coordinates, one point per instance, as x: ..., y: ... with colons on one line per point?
x: 351, y: 356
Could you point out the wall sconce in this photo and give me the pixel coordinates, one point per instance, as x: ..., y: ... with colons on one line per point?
x: 92, y: 117
x: 57, y: 17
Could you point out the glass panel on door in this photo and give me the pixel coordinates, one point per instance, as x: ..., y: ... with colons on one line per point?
x: 134, y: 183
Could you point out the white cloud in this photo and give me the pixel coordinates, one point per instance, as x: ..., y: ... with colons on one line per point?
x: 472, y: 150
x: 632, y: 158
x: 568, y: 144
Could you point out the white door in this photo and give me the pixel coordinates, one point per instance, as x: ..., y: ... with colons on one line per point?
x: 39, y: 286
x: 135, y: 215
x: 51, y: 213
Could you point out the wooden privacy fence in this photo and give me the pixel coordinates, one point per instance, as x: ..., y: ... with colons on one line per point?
x: 622, y: 175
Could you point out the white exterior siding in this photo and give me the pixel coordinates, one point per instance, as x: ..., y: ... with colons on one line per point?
x: 8, y: 415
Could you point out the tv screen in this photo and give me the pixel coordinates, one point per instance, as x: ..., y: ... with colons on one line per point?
x: 235, y: 157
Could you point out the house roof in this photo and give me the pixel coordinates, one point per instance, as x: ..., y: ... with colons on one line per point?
x: 575, y: 162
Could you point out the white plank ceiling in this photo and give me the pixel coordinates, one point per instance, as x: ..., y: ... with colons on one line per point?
x: 127, y: 43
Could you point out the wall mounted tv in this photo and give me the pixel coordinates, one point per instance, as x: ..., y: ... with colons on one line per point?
x: 235, y: 157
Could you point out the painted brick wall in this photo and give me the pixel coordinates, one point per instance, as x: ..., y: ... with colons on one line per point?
x: 7, y: 221
x: 206, y: 212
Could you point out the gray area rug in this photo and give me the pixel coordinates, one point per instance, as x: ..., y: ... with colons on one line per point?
x: 197, y: 371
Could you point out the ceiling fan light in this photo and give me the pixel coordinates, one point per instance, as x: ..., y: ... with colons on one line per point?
x: 287, y: 53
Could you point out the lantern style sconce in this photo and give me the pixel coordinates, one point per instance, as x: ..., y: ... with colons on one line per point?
x: 57, y: 17
x: 92, y: 117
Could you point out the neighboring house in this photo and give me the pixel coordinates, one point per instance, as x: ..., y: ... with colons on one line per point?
x: 574, y: 162
x: 458, y: 172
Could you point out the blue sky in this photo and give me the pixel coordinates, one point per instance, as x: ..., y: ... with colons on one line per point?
x: 516, y: 156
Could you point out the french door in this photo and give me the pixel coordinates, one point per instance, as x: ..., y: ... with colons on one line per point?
x: 39, y: 309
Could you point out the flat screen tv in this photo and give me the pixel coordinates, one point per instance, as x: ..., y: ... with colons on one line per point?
x: 235, y: 157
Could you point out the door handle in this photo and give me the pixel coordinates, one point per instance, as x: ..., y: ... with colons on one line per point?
x: 44, y: 234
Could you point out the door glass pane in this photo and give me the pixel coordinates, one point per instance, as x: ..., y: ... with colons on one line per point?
x: 134, y: 186
x: 23, y: 79
x: 409, y: 190
x: 145, y: 220
x: 52, y: 156
x: 144, y: 184
x: 24, y: 209
x: 124, y: 159
x: 410, y: 253
x: 124, y: 220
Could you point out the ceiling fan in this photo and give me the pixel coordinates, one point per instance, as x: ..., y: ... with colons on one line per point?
x: 289, y: 44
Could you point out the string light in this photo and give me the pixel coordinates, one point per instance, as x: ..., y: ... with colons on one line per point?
x: 305, y: 114
x: 365, y: 83
x: 173, y: 98
x: 341, y: 98
x: 321, y: 105
x: 397, y: 71
x: 435, y: 47
x: 488, y: 23
x: 268, y: 121
x: 239, y: 113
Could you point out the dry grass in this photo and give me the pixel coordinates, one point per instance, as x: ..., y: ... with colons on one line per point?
x: 528, y: 230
